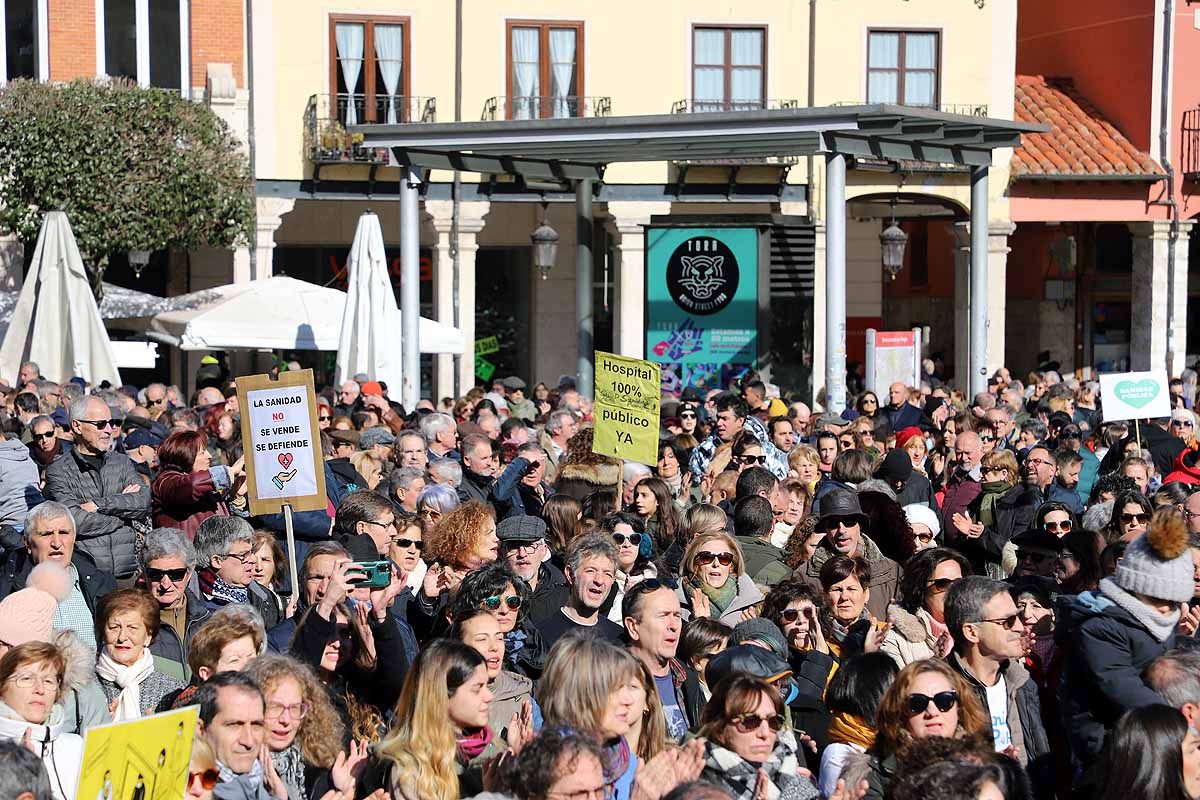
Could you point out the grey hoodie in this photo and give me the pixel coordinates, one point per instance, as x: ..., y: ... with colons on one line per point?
x: 20, y: 483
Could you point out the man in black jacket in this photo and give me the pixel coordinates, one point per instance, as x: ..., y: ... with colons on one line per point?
x: 50, y: 536
x: 523, y: 546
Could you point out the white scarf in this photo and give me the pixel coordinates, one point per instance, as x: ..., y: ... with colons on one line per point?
x: 129, y: 703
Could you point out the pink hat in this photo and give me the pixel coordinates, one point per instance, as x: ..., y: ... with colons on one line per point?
x: 28, y: 615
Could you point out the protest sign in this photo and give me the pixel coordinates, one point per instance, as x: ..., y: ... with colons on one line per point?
x: 143, y: 759
x: 282, y: 444
x: 1135, y: 395
x: 626, y: 408
x: 893, y: 357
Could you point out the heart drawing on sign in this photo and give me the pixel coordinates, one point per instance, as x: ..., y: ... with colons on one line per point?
x: 1137, y: 394
x: 285, y: 460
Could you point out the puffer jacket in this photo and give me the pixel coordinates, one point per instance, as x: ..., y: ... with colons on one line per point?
x: 107, y: 534
x: 911, y: 637
x: 19, y: 482
x: 82, y: 699
x: 61, y: 752
x: 1107, y: 649
x: 747, y: 595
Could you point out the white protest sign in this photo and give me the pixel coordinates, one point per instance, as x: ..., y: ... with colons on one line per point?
x: 282, y: 444
x: 1135, y: 395
x: 893, y: 357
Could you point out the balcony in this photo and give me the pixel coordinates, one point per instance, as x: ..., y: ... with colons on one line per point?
x: 326, y: 140
x: 1190, y: 143
x: 495, y: 108
x: 694, y: 106
x: 962, y: 109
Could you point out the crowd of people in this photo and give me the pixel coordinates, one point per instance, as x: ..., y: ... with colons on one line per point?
x: 939, y: 596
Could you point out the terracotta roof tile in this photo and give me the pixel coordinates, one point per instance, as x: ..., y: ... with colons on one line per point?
x: 1081, y: 141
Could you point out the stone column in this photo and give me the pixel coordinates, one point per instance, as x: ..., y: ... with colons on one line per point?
x: 998, y: 250
x: 470, y: 223
x: 818, y: 323
x: 1177, y: 343
x: 441, y: 213
x: 962, y: 304
x: 268, y: 217
x: 1149, y: 301
x: 629, y: 326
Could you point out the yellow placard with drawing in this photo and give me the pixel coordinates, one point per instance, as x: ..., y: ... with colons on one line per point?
x: 628, y: 392
x: 144, y: 759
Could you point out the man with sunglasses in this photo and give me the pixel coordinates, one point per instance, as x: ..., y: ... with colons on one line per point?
x: 102, y: 489
x: 168, y: 561
x: 843, y: 522
x: 989, y: 645
x: 523, y: 546
x: 154, y: 398
x: 1036, y: 550
x: 732, y: 416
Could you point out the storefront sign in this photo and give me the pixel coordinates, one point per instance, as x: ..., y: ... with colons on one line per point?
x: 279, y: 426
x: 484, y: 369
x: 626, y: 408
x: 893, y: 357
x: 702, y: 296
x: 144, y: 758
x: 487, y: 346
x: 1135, y: 395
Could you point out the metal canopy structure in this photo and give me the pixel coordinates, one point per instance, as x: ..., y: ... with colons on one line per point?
x: 577, y: 150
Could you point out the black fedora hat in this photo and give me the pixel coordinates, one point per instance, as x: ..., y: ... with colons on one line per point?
x: 841, y: 503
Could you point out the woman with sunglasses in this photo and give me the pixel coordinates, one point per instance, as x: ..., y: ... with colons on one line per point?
x: 918, y: 615
x: 689, y: 420
x: 406, y: 549
x: 635, y: 562
x: 747, y: 452
x: 304, y: 735
x: 1000, y: 512
x: 497, y: 590
x: 512, y: 694
x: 868, y: 405
x: 743, y: 752
x: 1131, y: 513
x: 324, y: 414
x: 654, y: 503
x: 189, y: 488
x: 203, y: 775
x: 796, y: 608
x: 714, y: 580
x: 928, y: 698
x: 1077, y: 565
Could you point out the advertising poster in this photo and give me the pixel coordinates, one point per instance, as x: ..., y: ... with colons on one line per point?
x: 1135, y: 395
x: 627, y: 408
x: 701, y: 303
x: 143, y: 759
x: 283, y: 448
x: 893, y: 356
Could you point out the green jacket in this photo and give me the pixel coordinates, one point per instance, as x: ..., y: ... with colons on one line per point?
x: 764, y: 561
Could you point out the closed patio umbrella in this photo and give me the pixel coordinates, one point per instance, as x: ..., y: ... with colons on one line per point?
x: 56, y: 322
x: 370, y: 333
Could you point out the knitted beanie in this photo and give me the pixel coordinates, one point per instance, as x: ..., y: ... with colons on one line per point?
x: 28, y: 615
x: 906, y: 435
x: 1158, y: 563
x: 757, y: 629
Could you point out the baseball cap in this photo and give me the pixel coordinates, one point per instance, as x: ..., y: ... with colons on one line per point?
x: 372, y: 387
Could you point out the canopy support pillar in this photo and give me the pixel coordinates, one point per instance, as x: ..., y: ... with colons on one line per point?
x: 410, y: 288
x: 835, y: 282
x: 583, y: 285
x: 979, y: 280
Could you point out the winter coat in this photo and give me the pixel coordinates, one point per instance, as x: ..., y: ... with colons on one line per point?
x: 1106, y: 649
x: 83, y: 702
x: 1024, y: 716
x: 961, y: 491
x: 510, y: 691
x: 1187, y: 468
x: 885, y: 573
x: 747, y: 595
x: 911, y: 637
x: 1013, y: 513
x: 587, y: 473
x: 168, y: 645
x: 260, y: 599
x: 20, y: 482
x: 93, y: 582
x: 551, y: 592
x: 738, y: 777
x: 918, y: 489
x: 1164, y: 449
x: 1088, y: 474
x: 877, y: 772
x: 61, y: 752
x: 107, y: 534
x: 906, y: 416
x: 185, y: 499
x: 765, y: 563
x: 473, y: 487
x: 157, y: 687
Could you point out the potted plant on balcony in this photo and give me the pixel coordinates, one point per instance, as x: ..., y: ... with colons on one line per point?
x: 360, y: 153
x: 330, y: 139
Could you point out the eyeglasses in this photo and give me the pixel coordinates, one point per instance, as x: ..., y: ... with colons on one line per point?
x: 154, y: 575
x: 298, y: 711
x: 1008, y: 623
x: 748, y: 723
x: 943, y: 701
x: 391, y: 524
x: 404, y: 544
x: 634, y: 539
x: 1140, y: 519
x: 208, y: 779
x: 1054, y: 527
x: 1040, y: 462
x: 28, y: 680
x: 604, y: 792
x: 792, y: 614
x: 102, y: 423
x: 940, y: 585
x: 243, y: 557
x: 705, y: 558
x: 1030, y: 556
x: 751, y: 459
x: 493, y: 603
x: 46, y: 435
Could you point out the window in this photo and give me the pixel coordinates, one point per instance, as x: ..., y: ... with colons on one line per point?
x: 370, y: 80
x: 545, y: 70
x: 728, y: 69
x: 902, y: 67
x: 22, y: 33
x: 145, y: 41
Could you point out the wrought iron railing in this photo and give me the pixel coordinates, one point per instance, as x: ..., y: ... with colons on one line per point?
x: 963, y: 109
x: 545, y: 107
x: 694, y: 106
x: 326, y: 139
x: 1190, y: 160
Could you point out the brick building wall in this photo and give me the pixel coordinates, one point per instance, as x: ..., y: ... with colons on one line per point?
x: 72, y: 39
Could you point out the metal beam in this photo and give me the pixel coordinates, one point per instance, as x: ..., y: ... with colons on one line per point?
x: 583, y: 286
x: 835, y: 281
x: 410, y: 288
x: 979, y: 279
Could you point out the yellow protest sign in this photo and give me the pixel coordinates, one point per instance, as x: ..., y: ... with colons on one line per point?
x: 144, y: 759
x: 628, y: 392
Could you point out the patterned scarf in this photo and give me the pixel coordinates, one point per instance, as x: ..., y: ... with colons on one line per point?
x: 289, y: 764
x: 740, y: 777
x: 618, y: 758
x: 473, y: 744
x: 213, y: 588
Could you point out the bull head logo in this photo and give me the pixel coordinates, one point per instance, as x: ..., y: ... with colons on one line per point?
x: 702, y: 275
